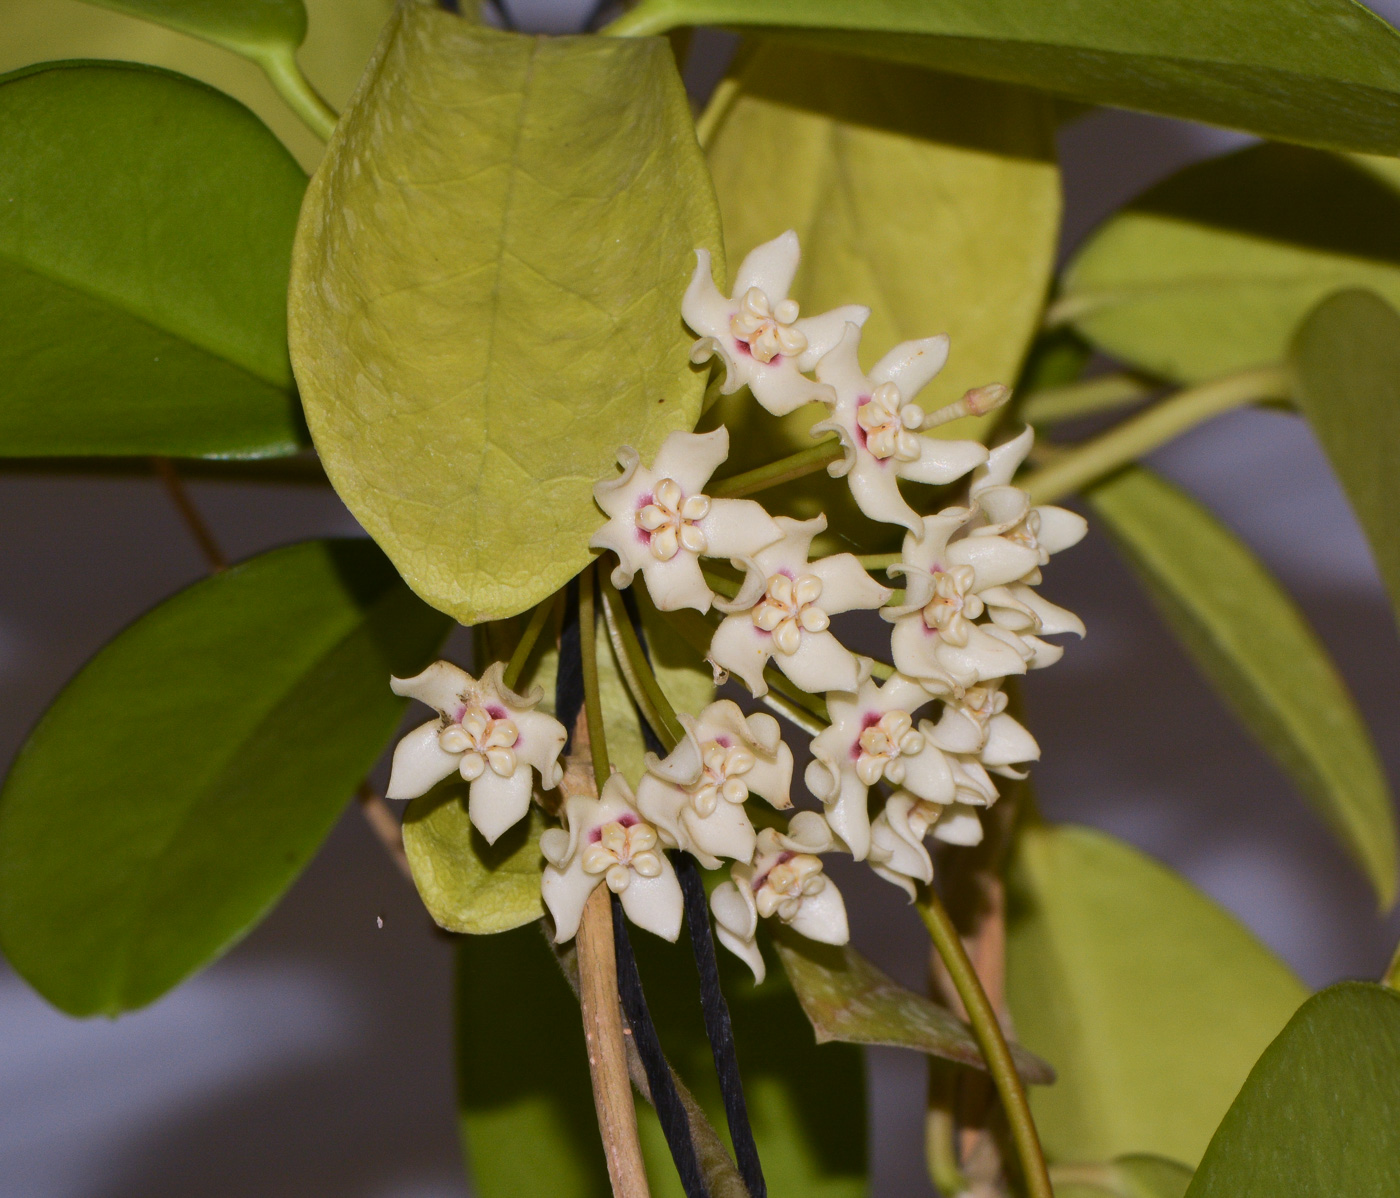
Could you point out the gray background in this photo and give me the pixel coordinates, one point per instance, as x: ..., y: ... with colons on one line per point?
x: 316, y: 1057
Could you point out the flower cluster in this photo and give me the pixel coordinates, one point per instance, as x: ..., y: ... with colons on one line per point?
x: 969, y: 617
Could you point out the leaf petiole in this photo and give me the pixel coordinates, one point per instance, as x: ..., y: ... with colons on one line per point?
x: 795, y: 465
x: 279, y: 64
x: 592, y: 699
x: 528, y: 639
x: 641, y: 679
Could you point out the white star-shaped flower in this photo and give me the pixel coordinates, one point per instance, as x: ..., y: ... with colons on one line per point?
x: 874, y: 736
x: 487, y: 733
x: 661, y: 523
x: 936, y: 639
x: 696, y: 795
x: 757, y: 332
x: 606, y: 841
x: 878, y: 422
x: 785, y: 880
x: 783, y: 612
x: 975, y: 724
x: 897, y: 850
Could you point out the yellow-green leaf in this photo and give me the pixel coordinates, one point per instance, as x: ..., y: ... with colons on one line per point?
x: 245, y: 26
x: 1211, y: 270
x: 1149, y: 1000
x: 486, y: 294
x: 932, y: 199
x: 468, y: 885
x: 1248, y: 637
x: 1136, y: 1175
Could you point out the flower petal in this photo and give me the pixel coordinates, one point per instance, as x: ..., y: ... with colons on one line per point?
x: 960, y: 824
x: 1059, y: 528
x: 846, y: 586
x: 1008, y: 743
x: 780, y: 387
x: 821, y: 663
x: 565, y: 893
x: 1004, y: 461
x: 498, y: 803
x: 771, y: 778
x: 996, y: 560
x: 770, y: 267
x: 741, y: 649
x: 824, y: 333
x: 539, y: 742
x: 420, y: 763
x: 677, y: 583
x: 928, y: 775
x: 725, y: 832
x: 736, y: 921
x: 690, y: 458
x: 942, y: 461
x: 656, y: 903
x: 704, y: 307
x: 442, y: 685
x: 911, y: 364
x: 822, y: 916
x: 737, y: 528
x: 875, y: 488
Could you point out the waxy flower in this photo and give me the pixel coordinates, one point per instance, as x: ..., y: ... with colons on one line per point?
x: 783, y: 612
x: 661, y: 523
x: 785, y: 880
x: 606, y: 841
x: 696, y: 795
x: 757, y: 333
x: 897, y: 850
x: 878, y: 423
x: 976, y: 725
x: 873, y: 736
x: 487, y: 733
x: 936, y: 639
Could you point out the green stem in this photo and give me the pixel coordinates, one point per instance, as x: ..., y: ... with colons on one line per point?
x: 638, y: 24
x: 523, y: 647
x: 1392, y: 975
x: 1075, y: 468
x: 1108, y: 1178
x: 991, y: 1040
x: 280, y: 66
x: 592, y: 699
x: 1107, y: 391
x: 795, y: 465
x: 641, y: 679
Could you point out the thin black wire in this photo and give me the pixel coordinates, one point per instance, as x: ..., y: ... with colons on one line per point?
x: 719, y: 1028
x: 568, y: 678
x: 664, y: 1095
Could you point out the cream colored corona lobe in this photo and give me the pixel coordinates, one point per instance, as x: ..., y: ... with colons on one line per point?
x: 621, y: 850
x: 767, y: 329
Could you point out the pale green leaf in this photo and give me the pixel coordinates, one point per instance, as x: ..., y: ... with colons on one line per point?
x: 245, y: 26
x: 145, y: 234
x: 847, y: 999
x: 931, y: 199
x: 468, y: 885
x: 1150, y: 1002
x: 1322, y: 72
x: 1211, y: 271
x: 1320, y: 1112
x: 1136, y: 1175
x: 1248, y: 637
x: 1346, y: 365
x: 183, y: 779
x: 486, y: 297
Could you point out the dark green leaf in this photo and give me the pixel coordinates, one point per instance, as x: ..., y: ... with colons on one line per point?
x: 247, y: 26
x: 1150, y: 1001
x: 486, y: 296
x: 1320, y: 1112
x: 1211, y: 271
x: 1346, y: 362
x: 187, y: 774
x: 145, y: 235
x: 847, y: 999
x: 1322, y: 72
x: 1248, y: 637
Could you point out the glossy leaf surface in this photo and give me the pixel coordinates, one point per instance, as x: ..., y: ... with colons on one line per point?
x: 1247, y: 636
x: 182, y: 780
x: 931, y: 199
x: 1150, y: 1002
x: 468, y: 885
x: 241, y: 25
x: 1211, y: 270
x: 1346, y: 365
x: 1320, y: 1112
x: 474, y: 327
x: 1321, y: 72
x: 526, y: 1105
x: 144, y: 247
x: 846, y: 998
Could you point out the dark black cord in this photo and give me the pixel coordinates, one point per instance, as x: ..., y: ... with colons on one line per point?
x: 718, y: 1026
x: 568, y: 678
x: 664, y: 1095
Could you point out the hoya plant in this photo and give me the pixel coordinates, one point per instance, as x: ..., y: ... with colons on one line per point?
x: 741, y: 436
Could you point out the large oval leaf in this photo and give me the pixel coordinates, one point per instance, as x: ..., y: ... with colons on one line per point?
x: 145, y: 237
x: 1248, y: 637
x: 1212, y: 270
x: 187, y: 774
x: 486, y: 297
x: 1346, y: 365
x: 1320, y: 1112
x: 933, y: 200
x: 1322, y: 72
x: 1150, y: 1001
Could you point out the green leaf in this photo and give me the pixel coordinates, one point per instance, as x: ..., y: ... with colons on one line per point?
x: 1346, y: 365
x: 847, y: 999
x: 1136, y: 1175
x: 1248, y: 637
x: 251, y: 27
x: 486, y: 297
x: 1320, y: 1112
x: 1321, y: 72
x: 1210, y: 271
x: 527, y: 1108
x: 145, y: 236
x: 934, y: 200
x: 466, y: 884
x: 1150, y: 1001
x: 183, y: 779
